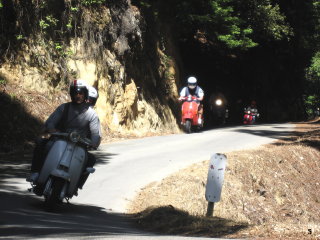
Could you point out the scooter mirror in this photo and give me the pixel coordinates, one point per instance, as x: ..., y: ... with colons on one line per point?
x: 74, y: 137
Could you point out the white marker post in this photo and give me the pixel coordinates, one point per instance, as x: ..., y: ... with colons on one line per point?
x: 217, y: 166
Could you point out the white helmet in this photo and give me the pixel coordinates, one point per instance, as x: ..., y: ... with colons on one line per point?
x: 93, y: 95
x: 192, y: 82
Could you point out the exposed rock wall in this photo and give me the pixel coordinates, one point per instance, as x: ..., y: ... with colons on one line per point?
x: 137, y: 81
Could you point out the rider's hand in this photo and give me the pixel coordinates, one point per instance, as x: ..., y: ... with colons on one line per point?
x: 52, y: 130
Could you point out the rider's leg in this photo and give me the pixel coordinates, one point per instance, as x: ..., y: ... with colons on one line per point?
x: 39, y: 154
x: 200, y: 109
x: 85, y: 175
x: 200, y: 113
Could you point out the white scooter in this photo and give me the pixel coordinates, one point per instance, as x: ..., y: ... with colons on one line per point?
x: 65, y: 163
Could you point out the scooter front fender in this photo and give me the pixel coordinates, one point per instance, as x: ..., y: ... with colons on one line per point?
x: 187, y: 115
x: 61, y: 174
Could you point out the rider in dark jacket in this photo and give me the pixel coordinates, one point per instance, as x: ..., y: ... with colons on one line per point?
x: 76, y: 115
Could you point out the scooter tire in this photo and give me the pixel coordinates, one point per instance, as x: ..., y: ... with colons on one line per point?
x: 188, y: 126
x: 53, y: 198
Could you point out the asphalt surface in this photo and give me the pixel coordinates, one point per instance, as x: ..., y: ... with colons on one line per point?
x: 123, y: 168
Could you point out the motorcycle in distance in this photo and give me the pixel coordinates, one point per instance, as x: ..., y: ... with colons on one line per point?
x: 219, y: 113
x: 63, y: 167
x: 189, y: 116
x: 250, y: 116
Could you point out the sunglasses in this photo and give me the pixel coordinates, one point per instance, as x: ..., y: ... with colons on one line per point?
x: 79, y: 91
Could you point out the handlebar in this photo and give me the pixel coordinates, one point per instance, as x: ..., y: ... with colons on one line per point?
x: 188, y: 98
x: 75, y: 137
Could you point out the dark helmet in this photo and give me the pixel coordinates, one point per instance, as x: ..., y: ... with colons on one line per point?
x: 77, y: 86
x: 93, y: 96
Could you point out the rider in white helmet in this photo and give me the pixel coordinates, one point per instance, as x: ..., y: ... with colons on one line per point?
x: 92, y: 96
x: 194, y: 90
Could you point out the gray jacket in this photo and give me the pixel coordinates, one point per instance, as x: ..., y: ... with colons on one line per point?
x: 81, y: 118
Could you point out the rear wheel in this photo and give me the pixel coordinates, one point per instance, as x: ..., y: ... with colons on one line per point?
x: 53, y: 196
x: 188, y: 126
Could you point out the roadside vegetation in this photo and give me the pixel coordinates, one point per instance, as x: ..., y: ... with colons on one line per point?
x: 269, y: 193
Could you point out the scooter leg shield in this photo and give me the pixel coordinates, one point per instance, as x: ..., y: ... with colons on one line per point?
x: 77, y: 167
x: 52, y: 160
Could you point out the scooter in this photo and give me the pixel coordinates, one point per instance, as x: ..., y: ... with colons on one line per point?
x: 64, y: 165
x: 249, y: 116
x: 219, y: 113
x: 190, y: 117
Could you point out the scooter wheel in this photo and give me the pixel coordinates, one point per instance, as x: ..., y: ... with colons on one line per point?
x: 188, y: 126
x: 53, y: 198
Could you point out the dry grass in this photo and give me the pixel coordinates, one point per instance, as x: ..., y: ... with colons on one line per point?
x: 269, y: 193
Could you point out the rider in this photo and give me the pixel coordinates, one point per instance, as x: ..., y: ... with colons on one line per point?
x: 93, y: 96
x: 75, y: 115
x: 253, y: 109
x: 194, y: 90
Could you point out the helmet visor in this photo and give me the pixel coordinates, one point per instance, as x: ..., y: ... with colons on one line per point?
x: 192, y: 85
x: 79, y: 90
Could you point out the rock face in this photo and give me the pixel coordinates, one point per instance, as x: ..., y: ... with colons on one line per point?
x: 111, y: 48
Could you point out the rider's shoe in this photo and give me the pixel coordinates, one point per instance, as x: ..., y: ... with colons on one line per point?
x: 33, y: 177
x: 90, y: 170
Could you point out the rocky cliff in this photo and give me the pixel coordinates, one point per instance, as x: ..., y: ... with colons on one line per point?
x: 110, y: 45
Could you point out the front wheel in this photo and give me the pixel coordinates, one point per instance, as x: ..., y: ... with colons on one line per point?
x: 188, y: 126
x: 53, y: 196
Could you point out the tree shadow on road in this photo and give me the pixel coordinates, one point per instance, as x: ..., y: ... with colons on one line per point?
x: 308, y: 135
x: 22, y: 212
x: 23, y: 215
x: 18, y: 164
x: 169, y: 220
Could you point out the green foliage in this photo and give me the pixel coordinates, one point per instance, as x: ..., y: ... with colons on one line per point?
x: 58, y: 46
x: 273, y: 22
x: 1, y: 5
x: 92, y: 2
x: 49, y: 21
x: 3, y: 82
x: 312, y: 102
x: 19, y: 37
x: 223, y: 23
x: 313, y: 72
x: 236, y: 24
x: 69, y: 26
x: 74, y: 9
x: 313, y: 75
x: 145, y: 4
x: 266, y: 19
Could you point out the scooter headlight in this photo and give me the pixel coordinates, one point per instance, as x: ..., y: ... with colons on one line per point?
x: 74, y: 137
x: 218, y: 102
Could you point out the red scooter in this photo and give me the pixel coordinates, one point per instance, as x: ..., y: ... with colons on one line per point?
x: 190, y: 117
x: 250, y: 116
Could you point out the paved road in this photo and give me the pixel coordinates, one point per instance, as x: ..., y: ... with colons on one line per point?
x: 123, y: 168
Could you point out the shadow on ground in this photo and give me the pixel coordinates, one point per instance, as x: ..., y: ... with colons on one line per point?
x: 289, y: 137
x: 22, y: 213
x: 23, y: 216
x: 169, y: 220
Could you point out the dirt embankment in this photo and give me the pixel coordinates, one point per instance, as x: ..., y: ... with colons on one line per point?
x: 271, y: 192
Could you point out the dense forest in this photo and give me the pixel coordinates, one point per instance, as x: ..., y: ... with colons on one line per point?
x: 262, y: 50
x: 265, y: 50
